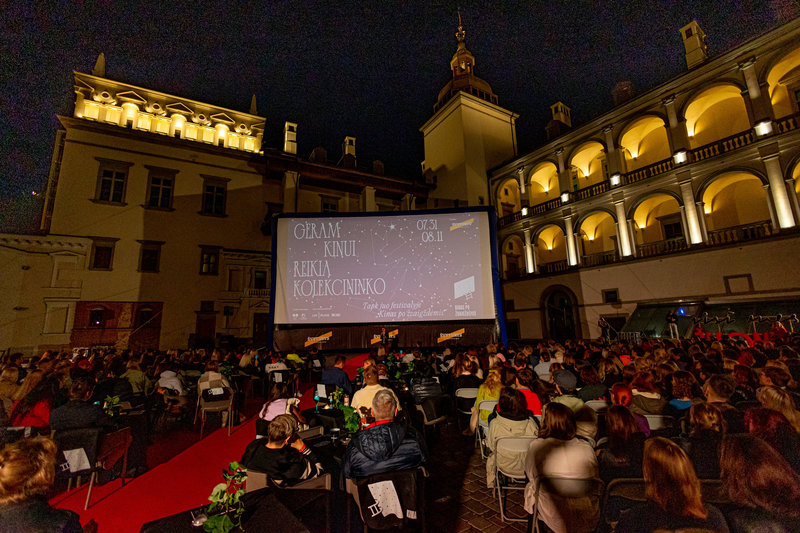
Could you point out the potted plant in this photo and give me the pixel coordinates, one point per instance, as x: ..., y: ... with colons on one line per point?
x: 111, y: 405
x: 351, y: 418
x: 226, y: 507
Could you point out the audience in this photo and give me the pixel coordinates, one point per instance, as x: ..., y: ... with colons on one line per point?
x: 79, y: 411
x: 621, y: 457
x: 512, y: 419
x: 337, y: 376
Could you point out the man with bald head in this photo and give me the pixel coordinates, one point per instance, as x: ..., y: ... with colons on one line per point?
x: 385, y: 445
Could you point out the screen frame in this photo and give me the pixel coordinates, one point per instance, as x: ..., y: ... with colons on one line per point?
x: 493, y: 254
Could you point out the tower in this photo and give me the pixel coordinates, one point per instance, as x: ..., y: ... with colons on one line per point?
x: 468, y: 133
x: 694, y: 40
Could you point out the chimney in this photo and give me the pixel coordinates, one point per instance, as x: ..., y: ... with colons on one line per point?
x: 348, y: 152
x: 378, y: 168
x: 694, y: 40
x: 561, y: 121
x: 622, y: 92
x: 290, y: 138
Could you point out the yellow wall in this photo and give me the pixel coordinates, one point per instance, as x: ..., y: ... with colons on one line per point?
x: 714, y: 114
x: 543, y: 184
x: 589, y: 160
x: 513, y: 246
x: 508, y: 193
x: 647, y: 215
x: 598, y: 232
x: 733, y: 200
x: 780, y: 96
x: 551, y: 246
x: 647, y: 139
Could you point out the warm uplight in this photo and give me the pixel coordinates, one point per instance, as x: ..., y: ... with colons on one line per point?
x: 549, y: 246
x: 524, y: 211
x: 707, y: 210
x: 564, y: 197
x: 545, y: 189
x: 680, y: 157
x: 641, y: 225
x: 591, y: 238
x: 615, y: 179
x: 764, y: 128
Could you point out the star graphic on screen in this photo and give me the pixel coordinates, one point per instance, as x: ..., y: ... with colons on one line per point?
x: 391, y: 226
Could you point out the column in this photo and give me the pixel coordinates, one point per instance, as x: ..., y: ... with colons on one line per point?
x: 530, y: 265
x: 290, y: 191
x: 612, y: 154
x: 564, y: 179
x: 407, y: 202
x: 701, y: 215
x: 623, y: 236
x: 759, y: 108
x: 694, y: 235
x: 504, y: 265
x: 780, y: 200
x: 523, y: 196
x: 790, y: 190
x: 685, y: 226
x: 569, y: 239
x: 771, y: 207
x: 676, y: 128
x: 631, y: 233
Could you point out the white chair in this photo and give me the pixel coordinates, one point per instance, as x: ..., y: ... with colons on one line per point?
x: 466, y: 393
x: 483, y: 427
x: 564, y: 488
x: 599, y: 406
x: 516, y: 479
x: 660, y: 422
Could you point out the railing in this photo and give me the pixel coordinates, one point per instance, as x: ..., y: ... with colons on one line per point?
x: 722, y: 146
x: 555, y: 266
x: 257, y: 293
x: 745, y: 232
x: 537, y: 209
x: 598, y: 259
x: 787, y: 123
x: 592, y: 190
x: 649, y: 171
x: 661, y: 247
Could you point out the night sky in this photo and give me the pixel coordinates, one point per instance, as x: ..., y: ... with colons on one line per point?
x: 371, y: 70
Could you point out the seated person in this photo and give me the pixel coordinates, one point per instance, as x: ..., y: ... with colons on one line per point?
x: 278, y: 403
x: 27, y: 470
x: 525, y: 381
x: 385, y: 445
x: 284, y: 457
x: 337, y: 376
x: 79, y: 411
x: 114, y: 384
x: 362, y: 399
x: 512, y: 419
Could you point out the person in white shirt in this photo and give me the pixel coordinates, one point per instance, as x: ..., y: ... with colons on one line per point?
x: 363, y: 397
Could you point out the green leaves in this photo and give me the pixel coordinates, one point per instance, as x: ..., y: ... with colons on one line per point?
x: 226, y: 501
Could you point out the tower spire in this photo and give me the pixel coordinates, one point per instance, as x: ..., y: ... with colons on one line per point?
x: 460, y: 34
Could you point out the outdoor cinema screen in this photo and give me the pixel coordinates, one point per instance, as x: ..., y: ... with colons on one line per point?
x: 403, y: 267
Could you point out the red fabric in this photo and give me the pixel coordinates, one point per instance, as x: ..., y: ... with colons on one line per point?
x: 534, y: 404
x: 38, y: 416
x: 378, y: 423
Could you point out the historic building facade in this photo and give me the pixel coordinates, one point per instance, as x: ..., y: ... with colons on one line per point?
x: 685, y: 194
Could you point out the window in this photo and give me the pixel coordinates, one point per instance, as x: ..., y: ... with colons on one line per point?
x: 112, y: 178
x: 330, y: 205
x: 160, y: 187
x: 688, y: 32
x: 97, y: 318
x: 150, y: 256
x: 611, y: 296
x: 209, y: 260
x: 260, y: 279
x: 102, y: 254
x: 144, y: 317
x: 214, y: 193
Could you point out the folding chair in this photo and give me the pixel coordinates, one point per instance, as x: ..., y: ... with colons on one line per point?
x: 376, y: 511
x: 562, y: 488
x: 77, y: 456
x: 515, y: 480
x: 260, y: 480
x: 464, y: 397
x: 283, y: 376
x: 599, y: 406
x: 661, y: 425
x: 483, y: 427
x: 620, y: 495
x: 214, y: 406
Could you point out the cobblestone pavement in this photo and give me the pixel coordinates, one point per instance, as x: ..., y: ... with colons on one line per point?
x: 458, y: 500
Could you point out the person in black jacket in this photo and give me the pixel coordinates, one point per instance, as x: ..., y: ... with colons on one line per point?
x: 78, y: 412
x: 27, y: 469
x: 385, y: 445
x: 284, y: 457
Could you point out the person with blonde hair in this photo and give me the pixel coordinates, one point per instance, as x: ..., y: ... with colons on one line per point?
x: 27, y: 471
x: 673, y: 494
x: 489, y: 390
x: 702, y: 445
x: 781, y: 401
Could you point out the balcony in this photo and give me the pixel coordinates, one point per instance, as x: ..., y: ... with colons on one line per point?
x: 554, y: 267
x: 745, y: 232
x: 667, y: 246
x: 728, y: 144
x: 599, y: 259
x: 256, y: 293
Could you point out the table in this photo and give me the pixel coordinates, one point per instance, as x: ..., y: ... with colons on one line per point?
x: 267, y: 510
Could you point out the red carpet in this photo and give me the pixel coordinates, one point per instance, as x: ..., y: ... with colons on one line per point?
x: 177, y: 485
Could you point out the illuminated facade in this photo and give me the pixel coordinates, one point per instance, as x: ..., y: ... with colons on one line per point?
x: 686, y: 193
x: 157, y: 221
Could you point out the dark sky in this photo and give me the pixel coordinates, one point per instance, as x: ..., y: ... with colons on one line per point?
x: 367, y: 69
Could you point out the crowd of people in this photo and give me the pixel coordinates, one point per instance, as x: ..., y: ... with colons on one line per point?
x: 670, y: 412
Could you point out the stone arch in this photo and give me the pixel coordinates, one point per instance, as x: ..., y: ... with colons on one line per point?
x: 640, y: 199
x: 712, y: 177
x: 542, y: 182
x: 513, y: 256
x: 586, y: 164
x: 644, y: 141
x: 598, y: 232
x: 657, y: 217
x: 734, y: 198
x: 782, y: 76
x: 559, y: 313
x: 715, y: 111
x: 508, y: 198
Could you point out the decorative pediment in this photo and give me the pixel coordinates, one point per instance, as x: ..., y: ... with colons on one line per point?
x: 130, y: 96
x: 178, y: 107
x: 223, y: 118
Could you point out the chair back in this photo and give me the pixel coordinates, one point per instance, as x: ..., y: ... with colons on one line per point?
x: 113, y: 446
x: 260, y: 480
x: 467, y: 392
x: 77, y: 450
x: 599, y: 406
x: 508, y: 446
x: 425, y: 388
x: 280, y: 376
x: 465, y: 399
x: 622, y: 494
x: 391, y: 499
x: 662, y: 424
x: 484, y: 406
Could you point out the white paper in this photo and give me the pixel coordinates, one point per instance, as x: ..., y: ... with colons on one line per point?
x: 386, y: 500
x: 77, y: 460
x: 277, y: 377
x: 322, y: 392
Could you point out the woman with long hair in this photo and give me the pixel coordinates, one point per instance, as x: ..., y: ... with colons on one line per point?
x: 772, y: 427
x: 33, y: 408
x: 781, y: 401
x: 27, y: 470
x: 673, y: 494
x: 647, y: 398
x: 559, y: 453
x: 621, y: 394
x: 622, y: 455
x: 489, y: 390
x: 278, y: 403
x: 760, y: 483
x: 707, y: 427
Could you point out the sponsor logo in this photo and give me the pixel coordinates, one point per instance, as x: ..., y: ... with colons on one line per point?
x: 457, y: 334
x: 458, y: 225
x: 325, y: 337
